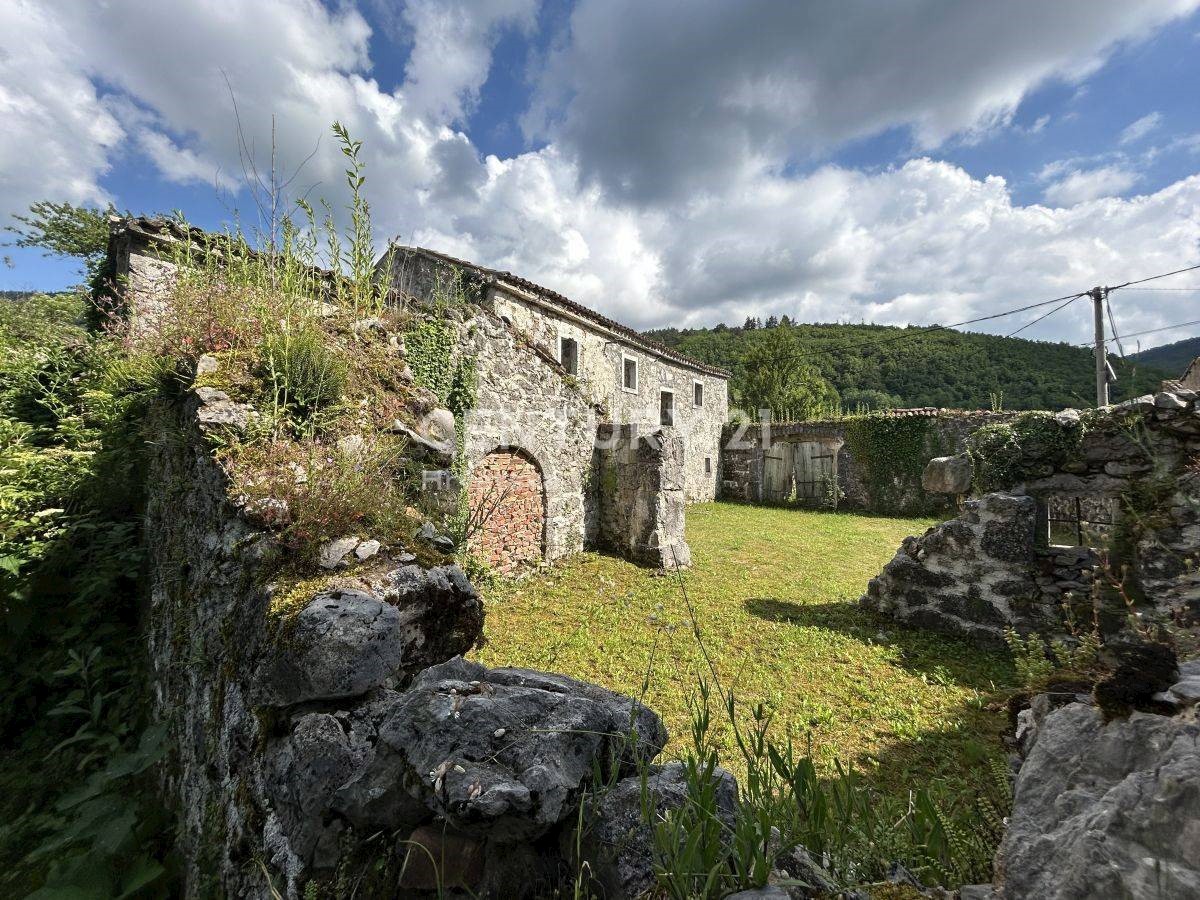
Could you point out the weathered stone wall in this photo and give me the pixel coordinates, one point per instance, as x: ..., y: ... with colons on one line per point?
x: 524, y: 404
x: 745, y: 447
x: 641, y: 495
x: 600, y: 375
x: 329, y: 733
x: 142, y: 276
x: 423, y: 276
x: 972, y: 575
x: 1142, y: 456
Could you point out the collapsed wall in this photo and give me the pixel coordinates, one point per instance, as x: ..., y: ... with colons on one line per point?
x: 318, y: 733
x: 641, y: 495
x: 994, y: 566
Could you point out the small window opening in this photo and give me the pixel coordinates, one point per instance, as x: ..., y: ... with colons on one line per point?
x: 666, y: 408
x: 1077, y: 521
x: 630, y: 374
x: 697, y: 393
x: 568, y: 355
x: 708, y: 465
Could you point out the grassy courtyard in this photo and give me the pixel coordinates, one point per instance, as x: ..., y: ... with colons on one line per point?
x: 774, y: 593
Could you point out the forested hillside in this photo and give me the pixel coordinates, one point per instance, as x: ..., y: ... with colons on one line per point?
x: 918, y: 367
x: 1172, y: 358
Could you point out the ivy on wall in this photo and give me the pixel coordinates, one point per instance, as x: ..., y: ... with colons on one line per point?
x: 891, y: 453
x: 1031, y: 446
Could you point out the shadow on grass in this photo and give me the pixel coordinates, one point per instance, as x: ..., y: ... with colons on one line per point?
x: 940, y: 657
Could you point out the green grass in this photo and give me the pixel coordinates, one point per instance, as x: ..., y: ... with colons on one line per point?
x: 775, y: 597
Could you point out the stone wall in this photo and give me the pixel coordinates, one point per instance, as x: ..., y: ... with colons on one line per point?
x: 992, y: 566
x: 421, y: 276
x: 744, y: 447
x: 973, y: 575
x: 329, y: 732
x: 524, y: 404
x: 641, y: 495
x: 600, y: 375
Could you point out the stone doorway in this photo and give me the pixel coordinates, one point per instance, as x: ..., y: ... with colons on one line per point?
x: 507, y: 498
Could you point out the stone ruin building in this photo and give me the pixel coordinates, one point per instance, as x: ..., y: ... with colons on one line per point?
x: 585, y: 433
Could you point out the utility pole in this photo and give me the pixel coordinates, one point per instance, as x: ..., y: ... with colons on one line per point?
x: 1099, y: 295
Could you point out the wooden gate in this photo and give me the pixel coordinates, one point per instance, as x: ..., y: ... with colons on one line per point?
x: 800, y: 472
x: 814, y: 469
x: 777, y: 474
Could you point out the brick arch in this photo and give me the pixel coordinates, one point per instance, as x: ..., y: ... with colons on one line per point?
x: 508, y: 491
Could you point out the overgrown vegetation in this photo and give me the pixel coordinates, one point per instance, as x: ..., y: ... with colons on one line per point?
x: 1033, y: 444
x: 891, y: 454
x: 78, y: 818
x: 301, y: 335
x: 917, y: 367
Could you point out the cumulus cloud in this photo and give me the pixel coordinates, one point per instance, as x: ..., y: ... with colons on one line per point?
x: 1081, y: 185
x: 658, y: 103
x: 1136, y: 130
x: 667, y: 191
x: 56, y: 136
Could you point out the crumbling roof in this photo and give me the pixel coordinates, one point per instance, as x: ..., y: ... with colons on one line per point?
x: 566, y: 303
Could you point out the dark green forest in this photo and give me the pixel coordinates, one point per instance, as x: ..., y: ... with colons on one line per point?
x: 1172, y: 358
x: 878, y: 365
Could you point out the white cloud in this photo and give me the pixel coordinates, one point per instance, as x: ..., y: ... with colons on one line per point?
x: 1081, y: 185
x: 56, y: 137
x: 658, y: 104
x: 919, y: 243
x: 1138, y: 129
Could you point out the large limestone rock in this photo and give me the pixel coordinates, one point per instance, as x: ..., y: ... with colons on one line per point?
x: 1105, y: 809
x: 344, y: 643
x: 500, y: 756
x: 948, y: 474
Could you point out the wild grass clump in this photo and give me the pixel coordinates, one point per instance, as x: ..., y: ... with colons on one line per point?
x: 313, y: 491
x: 855, y: 834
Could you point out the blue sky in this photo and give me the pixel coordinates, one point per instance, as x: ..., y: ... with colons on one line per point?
x: 919, y: 162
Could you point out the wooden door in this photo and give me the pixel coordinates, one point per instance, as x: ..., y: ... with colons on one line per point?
x: 813, y: 469
x: 777, y: 474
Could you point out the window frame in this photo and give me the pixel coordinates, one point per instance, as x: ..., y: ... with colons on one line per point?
x: 697, y: 383
x: 562, y: 339
x: 637, y: 373
x: 674, y: 409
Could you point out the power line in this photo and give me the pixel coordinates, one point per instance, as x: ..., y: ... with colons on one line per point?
x: 1164, y: 289
x: 1154, y: 330
x: 923, y: 330
x: 1154, y: 277
x: 1044, y: 316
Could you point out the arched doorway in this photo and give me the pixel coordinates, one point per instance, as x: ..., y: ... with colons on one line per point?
x: 507, y: 499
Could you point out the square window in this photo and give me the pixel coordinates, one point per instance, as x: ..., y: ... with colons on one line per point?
x: 568, y: 355
x: 697, y: 393
x: 666, y: 408
x: 630, y: 374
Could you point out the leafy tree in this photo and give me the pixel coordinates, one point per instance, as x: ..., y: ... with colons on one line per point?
x: 63, y: 229
x: 772, y: 322
x: 920, y: 367
x: 751, y: 324
x: 777, y: 376
x: 785, y: 321
x: 869, y: 400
